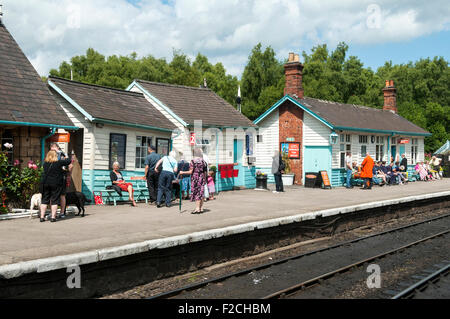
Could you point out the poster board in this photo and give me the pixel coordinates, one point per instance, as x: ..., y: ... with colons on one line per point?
x: 292, y: 149
x: 323, y: 181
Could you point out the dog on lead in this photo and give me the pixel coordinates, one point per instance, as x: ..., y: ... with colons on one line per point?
x: 78, y: 199
x: 73, y: 198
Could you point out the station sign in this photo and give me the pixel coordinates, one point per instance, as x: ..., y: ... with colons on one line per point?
x: 60, y: 138
x: 403, y: 141
x: 192, y: 139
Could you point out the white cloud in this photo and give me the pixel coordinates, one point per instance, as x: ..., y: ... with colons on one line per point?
x: 50, y: 31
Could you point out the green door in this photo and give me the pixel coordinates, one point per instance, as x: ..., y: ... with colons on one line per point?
x: 316, y: 159
x: 238, y: 153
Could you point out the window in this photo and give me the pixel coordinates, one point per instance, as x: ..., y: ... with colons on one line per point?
x: 414, y: 150
x: 259, y: 139
x: 379, y: 152
x: 345, y: 147
x: 363, y: 139
x: 162, y: 146
x: 142, y: 144
x: 363, y: 151
x: 117, y: 149
x: 379, y: 148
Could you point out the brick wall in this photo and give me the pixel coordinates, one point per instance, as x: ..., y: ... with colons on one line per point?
x: 291, y: 126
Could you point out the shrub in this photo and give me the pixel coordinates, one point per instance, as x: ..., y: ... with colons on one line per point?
x: 17, y: 184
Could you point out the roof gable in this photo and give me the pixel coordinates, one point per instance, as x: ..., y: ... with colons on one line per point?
x: 24, y: 97
x: 189, y: 104
x: 339, y: 116
x: 99, y: 103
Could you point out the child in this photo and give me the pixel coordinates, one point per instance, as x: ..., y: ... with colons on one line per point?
x: 211, y: 186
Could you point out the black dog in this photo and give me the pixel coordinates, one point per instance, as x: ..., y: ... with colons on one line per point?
x: 78, y: 199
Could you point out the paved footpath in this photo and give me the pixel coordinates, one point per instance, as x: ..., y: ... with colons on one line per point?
x: 108, y: 226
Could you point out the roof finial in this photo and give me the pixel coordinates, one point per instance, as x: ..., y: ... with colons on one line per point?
x: 205, y: 85
x: 1, y: 12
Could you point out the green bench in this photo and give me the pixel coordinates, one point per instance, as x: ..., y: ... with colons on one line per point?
x: 111, y: 196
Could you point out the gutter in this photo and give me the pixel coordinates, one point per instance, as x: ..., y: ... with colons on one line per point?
x: 345, y: 128
x: 147, y: 127
x: 43, y: 144
x: 73, y: 128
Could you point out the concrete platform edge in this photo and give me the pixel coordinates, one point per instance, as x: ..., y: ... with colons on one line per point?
x: 59, y: 262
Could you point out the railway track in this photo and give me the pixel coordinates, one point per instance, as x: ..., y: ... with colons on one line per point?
x: 423, y: 284
x: 318, y: 279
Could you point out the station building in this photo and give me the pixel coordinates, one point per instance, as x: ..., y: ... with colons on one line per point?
x: 317, y: 133
x: 28, y: 113
x: 205, y: 120
x: 114, y: 126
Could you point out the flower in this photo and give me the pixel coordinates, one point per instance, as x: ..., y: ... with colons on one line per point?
x: 8, y: 145
x: 34, y: 166
x: 16, y: 163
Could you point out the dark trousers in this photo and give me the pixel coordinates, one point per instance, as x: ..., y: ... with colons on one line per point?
x: 165, y: 186
x: 278, y: 182
x: 368, y: 183
x: 152, y: 184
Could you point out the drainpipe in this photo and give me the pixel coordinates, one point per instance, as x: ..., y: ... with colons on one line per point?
x: 217, y: 159
x: 43, y: 143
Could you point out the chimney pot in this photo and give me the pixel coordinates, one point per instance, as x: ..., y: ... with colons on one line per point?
x: 296, y: 58
x: 392, y: 83
x: 291, y: 56
x: 387, y: 83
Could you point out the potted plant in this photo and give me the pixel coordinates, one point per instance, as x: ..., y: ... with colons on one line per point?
x: 261, y: 180
x: 287, y: 176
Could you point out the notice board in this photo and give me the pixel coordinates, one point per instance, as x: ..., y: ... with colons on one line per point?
x: 292, y: 149
x: 323, y: 180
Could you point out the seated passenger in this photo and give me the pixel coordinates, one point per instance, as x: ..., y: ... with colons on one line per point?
x: 118, y: 181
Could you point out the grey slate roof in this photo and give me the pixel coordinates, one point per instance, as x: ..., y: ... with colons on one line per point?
x: 359, y: 117
x: 113, y: 104
x: 24, y: 97
x: 191, y: 104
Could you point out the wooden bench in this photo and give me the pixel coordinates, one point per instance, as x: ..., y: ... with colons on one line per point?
x: 111, y: 196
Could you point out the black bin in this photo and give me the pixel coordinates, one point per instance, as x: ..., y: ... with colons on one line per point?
x: 310, y: 179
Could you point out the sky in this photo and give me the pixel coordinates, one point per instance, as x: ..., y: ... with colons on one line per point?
x: 52, y: 31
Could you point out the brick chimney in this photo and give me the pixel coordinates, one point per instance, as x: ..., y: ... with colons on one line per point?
x: 294, y: 75
x: 390, y: 97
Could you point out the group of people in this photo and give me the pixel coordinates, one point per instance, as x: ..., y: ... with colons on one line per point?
x: 164, y: 174
x: 395, y: 173
x: 54, y: 181
x: 429, y: 170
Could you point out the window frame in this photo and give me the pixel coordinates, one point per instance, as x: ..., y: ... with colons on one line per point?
x: 157, y: 145
x: 145, y: 150
x: 111, y: 161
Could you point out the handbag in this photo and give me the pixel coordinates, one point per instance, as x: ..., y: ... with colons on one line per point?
x: 98, y: 199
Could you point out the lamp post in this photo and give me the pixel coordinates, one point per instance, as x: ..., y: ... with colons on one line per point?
x: 239, y: 100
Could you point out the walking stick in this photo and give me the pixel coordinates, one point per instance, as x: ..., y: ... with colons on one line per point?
x: 180, y: 198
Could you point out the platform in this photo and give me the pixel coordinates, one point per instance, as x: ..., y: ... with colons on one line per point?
x: 108, y: 232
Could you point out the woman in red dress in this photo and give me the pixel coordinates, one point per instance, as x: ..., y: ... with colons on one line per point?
x: 118, y: 180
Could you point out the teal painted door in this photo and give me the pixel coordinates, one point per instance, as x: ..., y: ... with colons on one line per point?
x: 393, y: 152
x: 317, y: 158
x: 238, y: 153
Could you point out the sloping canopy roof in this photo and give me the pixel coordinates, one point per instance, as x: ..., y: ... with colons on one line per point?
x: 103, y: 103
x: 444, y: 149
x: 24, y: 97
x: 339, y: 116
x: 191, y: 104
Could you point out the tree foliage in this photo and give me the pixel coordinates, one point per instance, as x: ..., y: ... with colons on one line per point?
x: 423, y: 93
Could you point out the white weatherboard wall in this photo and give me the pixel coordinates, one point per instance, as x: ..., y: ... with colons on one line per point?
x: 80, y: 121
x: 315, y: 133
x: 96, y: 140
x: 269, y: 128
x: 181, y: 143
